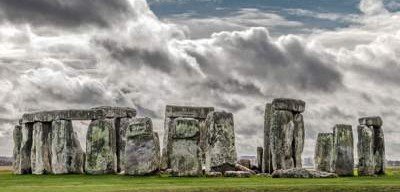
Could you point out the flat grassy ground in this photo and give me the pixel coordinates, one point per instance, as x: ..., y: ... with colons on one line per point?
x: 85, y: 183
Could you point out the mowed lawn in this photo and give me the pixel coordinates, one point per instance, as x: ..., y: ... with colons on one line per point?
x: 85, y: 183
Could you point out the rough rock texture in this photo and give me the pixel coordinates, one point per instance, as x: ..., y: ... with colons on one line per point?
x: 142, y: 151
x: 343, y: 156
x: 121, y: 142
x: 365, y: 146
x: 260, y: 152
x: 239, y: 167
x: 41, y: 148
x: 324, y: 152
x: 286, y: 104
x: 17, y: 138
x: 282, y: 132
x: 214, y: 174
x: 185, y: 152
x: 173, y: 112
x: 371, y: 121
x: 301, y: 173
x: 239, y: 174
x: 379, y: 150
x: 67, y: 155
x: 245, y: 162
x: 221, y: 149
x: 101, y: 157
x: 267, y: 155
x: 115, y: 112
x: 25, y: 149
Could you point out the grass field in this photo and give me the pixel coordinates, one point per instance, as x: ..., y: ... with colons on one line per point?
x: 85, y: 183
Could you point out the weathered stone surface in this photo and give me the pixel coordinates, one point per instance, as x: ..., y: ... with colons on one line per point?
x: 267, y: 155
x: 301, y: 173
x: 185, y: 151
x: 298, y: 136
x: 101, y: 156
x: 239, y: 174
x: 239, y: 167
x: 214, y: 174
x: 25, y: 149
x: 41, y: 148
x: 121, y: 142
x: 221, y: 149
x: 186, y: 111
x: 324, y: 152
x: 17, y: 137
x: 73, y: 114
x: 142, y: 150
x: 371, y: 121
x: 245, y: 162
x: 260, y: 155
x: 379, y: 150
x: 343, y: 156
x: 365, y: 146
x: 282, y: 132
x: 67, y: 155
x: 293, y: 105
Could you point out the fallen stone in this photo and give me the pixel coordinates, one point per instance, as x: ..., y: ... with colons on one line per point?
x: 245, y: 162
x: 17, y: 138
x: 185, y: 151
x: 221, y: 149
x: 294, y: 105
x: 267, y: 175
x: 365, y: 146
x: 67, y: 155
x: 213, y: 174
x: 101, y: 156
x: 301, y: 173
x: 371, y: 121
x: 343, y: 156
x: 239, y: 174
x: 324, y: 152
x: 142, y: 150
x: 41, y: 148
x: 239, y: 167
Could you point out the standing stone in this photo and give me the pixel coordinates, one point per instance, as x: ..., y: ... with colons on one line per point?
x: 267, y: 159
x: 343, y: 154
x: 324, y: 152
x: 17, y: 137
x: 298, y: 139
x: 25, y: 150
x: 260, y: 152
x: 67, y: 155
x: 221, y: 149
x: 101, y: 157
x: 41, y: 148
x: 142, y: 151
x: 185, y: 150
x: 366, y: 161
x: 282, y: 129
x: 121, y: 142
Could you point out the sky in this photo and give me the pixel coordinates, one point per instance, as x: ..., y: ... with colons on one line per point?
x: 341, y: 57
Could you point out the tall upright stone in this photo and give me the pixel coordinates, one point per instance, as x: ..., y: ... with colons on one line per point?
x: 173, y: 112
x: 101, y: 156
x: 41, y: 148
x: 267, y: 155
x: 260, y: 155
x: 142, y: 151
x: 121, y: 142
x: 221, y: 149
x: 185, y: 154
x: 324, y: 152
x: 343, y: 155
x: 17, y: 138
x: 365, y: 146
x: 24, y: 166
x: 375, y: 123
x: 67, y: 155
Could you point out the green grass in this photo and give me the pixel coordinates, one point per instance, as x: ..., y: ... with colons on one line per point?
x: 84, y: 183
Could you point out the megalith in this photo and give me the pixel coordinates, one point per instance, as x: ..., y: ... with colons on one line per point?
x: 365, y: 146
x: 41, y: 148
x: 67, y: 155
x: 343, y: 155
x: 323, y: 157
x: 260, y: 152
x: 142, y: 150
x: 173, y: 112
x: 121, y: 142
x: 17, y: 138
x: 185, y: 153
x: 24, y: 166
x: 267, y: 155
x: 101, y: 156
x: 220, y: 150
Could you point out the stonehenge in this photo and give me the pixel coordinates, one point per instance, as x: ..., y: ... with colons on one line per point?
x: 324, y: 152
x: 343, y: 151
x: 259, y: 158
x: 283, y: 134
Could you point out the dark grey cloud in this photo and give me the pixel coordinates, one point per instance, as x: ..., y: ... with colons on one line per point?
x: 232, y: 105
x: 66, y: 13
x: 334, y: 112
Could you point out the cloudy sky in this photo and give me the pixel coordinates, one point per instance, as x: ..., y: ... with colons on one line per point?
x: 342, y: 57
